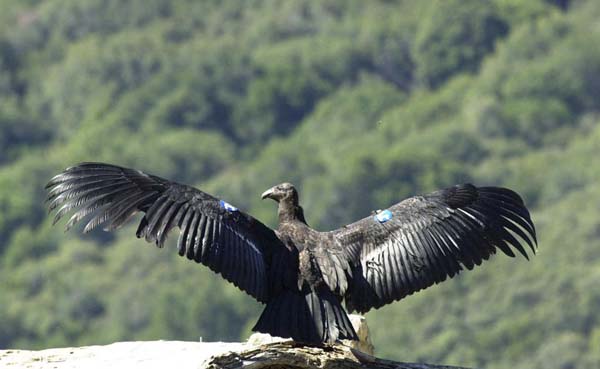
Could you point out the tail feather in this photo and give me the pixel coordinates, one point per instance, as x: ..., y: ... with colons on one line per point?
x: 337, y: 323
x: 308, y: 316
x: 316, y: 313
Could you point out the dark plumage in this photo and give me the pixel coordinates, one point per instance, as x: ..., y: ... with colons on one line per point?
x: 303, y: 275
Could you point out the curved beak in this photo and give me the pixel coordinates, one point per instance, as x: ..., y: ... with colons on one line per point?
x: 268, y: 193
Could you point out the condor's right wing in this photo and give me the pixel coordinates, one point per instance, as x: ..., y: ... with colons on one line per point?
x: 212, y: 232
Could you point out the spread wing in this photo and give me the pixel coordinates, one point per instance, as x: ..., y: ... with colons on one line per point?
x: 425, y: 239
x: 212, y: 232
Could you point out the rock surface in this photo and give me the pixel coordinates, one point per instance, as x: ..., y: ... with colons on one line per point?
x: 364, y: 344
x: 199, y: 355
x: 152, y: 354
x: 261, y: 351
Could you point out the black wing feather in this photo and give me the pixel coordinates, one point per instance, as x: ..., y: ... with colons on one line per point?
x: 229, y: 242
x: 191, y: 237
x: 185, y: 229
x: 430, y: 238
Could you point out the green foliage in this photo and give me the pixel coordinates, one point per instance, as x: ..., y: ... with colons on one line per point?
x: 454, y: 36
x: 235, y: 97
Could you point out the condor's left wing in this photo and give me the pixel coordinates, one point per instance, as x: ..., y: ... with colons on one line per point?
x: 423, y: 240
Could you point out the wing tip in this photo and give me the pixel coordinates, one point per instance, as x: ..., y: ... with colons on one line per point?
x: 515, y: 211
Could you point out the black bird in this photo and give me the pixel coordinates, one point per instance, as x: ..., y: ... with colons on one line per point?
x: 303, y: 275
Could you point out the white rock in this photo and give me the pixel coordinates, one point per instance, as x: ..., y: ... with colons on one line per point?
x: 125, y: 355
x: 151, y: 354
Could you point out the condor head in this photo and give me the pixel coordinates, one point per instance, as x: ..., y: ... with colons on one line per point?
x: 282, y: 192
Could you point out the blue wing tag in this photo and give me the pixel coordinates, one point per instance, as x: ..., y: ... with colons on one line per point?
x: 383, y: 216
x: 227, y: 206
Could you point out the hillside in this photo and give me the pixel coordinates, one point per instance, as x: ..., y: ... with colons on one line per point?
x: 358, y: 105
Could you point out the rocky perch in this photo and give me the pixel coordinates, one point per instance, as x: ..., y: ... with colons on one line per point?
x: 261, y: 351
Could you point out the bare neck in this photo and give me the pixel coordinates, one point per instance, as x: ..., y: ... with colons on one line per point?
x: 290, y: 211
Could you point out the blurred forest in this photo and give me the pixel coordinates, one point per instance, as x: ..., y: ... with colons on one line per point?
x: 358, y: 103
